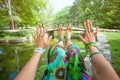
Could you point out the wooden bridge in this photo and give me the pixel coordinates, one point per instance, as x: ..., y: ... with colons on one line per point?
x: 50, y: 32
x: 53, y: 25
x: 75, y: 24
x: 63, y: 23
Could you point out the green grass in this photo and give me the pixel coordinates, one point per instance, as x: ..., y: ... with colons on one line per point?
x: 9, y: 38
x: 114, y: 42
x: 14, y: 35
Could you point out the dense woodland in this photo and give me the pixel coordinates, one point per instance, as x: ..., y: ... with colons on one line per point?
x: 19, y: 13
x: 104, y: 13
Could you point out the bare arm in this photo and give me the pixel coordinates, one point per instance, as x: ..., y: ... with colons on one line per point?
x: 103, y: 69
x: 29, y: 70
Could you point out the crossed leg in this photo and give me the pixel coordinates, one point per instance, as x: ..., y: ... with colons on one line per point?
x: 57, y: 62
x: 76, y: 69
x: 65, y: 65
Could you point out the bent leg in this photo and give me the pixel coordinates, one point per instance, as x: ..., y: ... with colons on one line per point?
x: 57, y: 62
x: 56, y: 68
x: 76, y: 66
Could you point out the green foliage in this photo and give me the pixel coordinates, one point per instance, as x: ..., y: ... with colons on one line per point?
x: 8, y: 60
x: 28, y: 11
x: 24, y: 12
x: 62, y: 16
x: 21, y: 33
x: 104, y: 13
x: 25, y: 51
x: 3, y: 34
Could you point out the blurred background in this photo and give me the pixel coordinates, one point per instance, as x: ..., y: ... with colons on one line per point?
x: 18, y: 19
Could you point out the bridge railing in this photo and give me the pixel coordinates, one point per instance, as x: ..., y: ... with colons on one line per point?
x: 63, y: 23
x: 51, y: 32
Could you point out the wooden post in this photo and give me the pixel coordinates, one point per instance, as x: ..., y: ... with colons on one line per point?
x: 50, y: 33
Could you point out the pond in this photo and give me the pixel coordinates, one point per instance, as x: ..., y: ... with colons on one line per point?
x: 14, y: 56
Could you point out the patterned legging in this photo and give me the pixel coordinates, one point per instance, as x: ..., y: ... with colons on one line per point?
x: 65, y: 65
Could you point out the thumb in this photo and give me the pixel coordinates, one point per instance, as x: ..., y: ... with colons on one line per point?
x: 96, y: 32
x: 82, y: 39
x: 48, y: 41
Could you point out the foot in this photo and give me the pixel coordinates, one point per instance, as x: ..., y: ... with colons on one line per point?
x: 60, y: 36
x: 68, y: 35
x: 60, y: 33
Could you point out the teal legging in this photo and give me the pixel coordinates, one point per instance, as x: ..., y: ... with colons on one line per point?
x: 64, y: 65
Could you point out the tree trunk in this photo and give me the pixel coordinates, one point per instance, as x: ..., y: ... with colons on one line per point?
x: 26, y: 26
x: 15, y: 25
x: 12, y: 26
x: 9, y: 11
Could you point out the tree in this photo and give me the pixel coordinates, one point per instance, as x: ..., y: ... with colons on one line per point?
x: 62, y: 16
x: 22, y: 12
x: 9, y: 12
x: 104, y: 13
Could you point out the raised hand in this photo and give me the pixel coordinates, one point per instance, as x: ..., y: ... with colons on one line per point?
x: 40, y: 39
x: 89, y: 34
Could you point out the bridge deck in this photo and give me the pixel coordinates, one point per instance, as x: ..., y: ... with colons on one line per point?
x: 74, y: 29
x: 81, y: 29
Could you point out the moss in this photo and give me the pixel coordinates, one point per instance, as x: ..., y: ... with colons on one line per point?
x: 8, y: 57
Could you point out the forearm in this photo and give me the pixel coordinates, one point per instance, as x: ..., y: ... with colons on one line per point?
x: 102, y: 67
x: 29, y: 70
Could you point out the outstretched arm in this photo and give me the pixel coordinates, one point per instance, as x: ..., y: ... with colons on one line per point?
x: 29, y: 70
x: 103, y: 69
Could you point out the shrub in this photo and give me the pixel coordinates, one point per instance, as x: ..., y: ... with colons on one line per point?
x: 18, y: 33
x: 3, y: 34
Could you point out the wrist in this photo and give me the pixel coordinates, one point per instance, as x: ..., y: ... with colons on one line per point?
x: 93, y: 54
x: 39, y: 50
x: 93, y: 49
